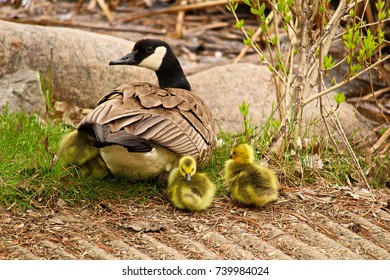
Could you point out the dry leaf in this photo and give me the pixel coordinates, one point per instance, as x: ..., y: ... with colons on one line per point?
x: 144, y: 226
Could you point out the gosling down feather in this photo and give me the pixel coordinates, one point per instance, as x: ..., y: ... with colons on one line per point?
x: 77, y: 148
x: 249, y: 183
x: 141, y: 129
x: 188, y: 189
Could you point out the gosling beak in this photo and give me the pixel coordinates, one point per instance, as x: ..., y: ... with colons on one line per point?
x: 188, y: 177
x: 128, y: 59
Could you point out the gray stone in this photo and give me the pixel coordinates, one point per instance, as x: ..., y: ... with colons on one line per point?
x: 21, y: 91
x: 81, y: 74
x: 225, y: 87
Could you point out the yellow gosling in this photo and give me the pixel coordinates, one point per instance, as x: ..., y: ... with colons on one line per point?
x: 249, y: 183
x: 188, y: 189
x: 76, y: 148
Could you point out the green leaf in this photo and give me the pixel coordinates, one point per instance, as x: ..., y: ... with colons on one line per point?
x: 248, y: 42
x: 240, y: 24
x: 381, y: 15
x: 281, y: 6
x: 262, y: 8
x: 379, y: 5
x: 327, y: 62
x: 261, y: 57
x: 251, y: 32
x: 244, y: 108
x: 255, y: 12
x: 339, y: 98
x: 247, y: 2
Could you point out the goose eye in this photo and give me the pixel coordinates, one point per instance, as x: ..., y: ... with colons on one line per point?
x: 149, y: 49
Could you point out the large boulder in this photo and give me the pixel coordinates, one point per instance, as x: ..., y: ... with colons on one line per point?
x: 225, y: 87
x: 81, y: 75
x: 79, y: 64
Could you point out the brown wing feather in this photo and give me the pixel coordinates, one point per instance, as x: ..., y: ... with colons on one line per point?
x: 173, y: 118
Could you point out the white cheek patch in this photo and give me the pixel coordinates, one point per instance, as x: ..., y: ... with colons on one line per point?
x: 154, y: 60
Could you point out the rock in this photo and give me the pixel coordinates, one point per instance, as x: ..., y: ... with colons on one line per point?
x: 21, y: 91
x: 225, y: 87
x: 81, y: 74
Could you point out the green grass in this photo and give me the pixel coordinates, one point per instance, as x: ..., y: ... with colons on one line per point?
x: 29, y: 177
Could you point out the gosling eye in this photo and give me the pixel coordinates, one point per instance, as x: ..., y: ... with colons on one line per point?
x: 149, y: 49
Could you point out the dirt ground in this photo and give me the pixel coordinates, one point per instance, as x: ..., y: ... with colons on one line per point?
x: 338, y: 223
x: 348, y: 222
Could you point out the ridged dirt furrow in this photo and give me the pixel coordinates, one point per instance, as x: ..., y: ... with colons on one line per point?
x: 157, y: 250
x: 125, y: 251
x: 355, y: 242
x: 94, y: 251
x: 309, y: 226
x: 327, y: 246
x: 227, y: 248
x: 190, y: 247
x: 24, y: 254
x: 289, y: 244
x: 363, y: 227
x: 260, y: 248
x: 57, y: 251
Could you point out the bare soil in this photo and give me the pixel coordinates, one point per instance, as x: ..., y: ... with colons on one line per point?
x: 344, y: 223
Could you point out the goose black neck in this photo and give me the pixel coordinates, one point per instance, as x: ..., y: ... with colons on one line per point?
x: 171, y: 75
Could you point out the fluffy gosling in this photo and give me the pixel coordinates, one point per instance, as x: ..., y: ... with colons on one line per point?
x: 249, y: 183
x: 76, y: 148
x: 188, y: 189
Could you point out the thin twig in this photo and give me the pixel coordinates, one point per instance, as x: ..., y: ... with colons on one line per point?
x: 320, y: 83
x: 333, y: 88
x: 246, y: 48
x: 52, y: 22
x: 341, y: 132
x: 106, y: 10
x: 256, y: 48
x: 175, y: 9
x: 382, y: 140
x: 368, y: 96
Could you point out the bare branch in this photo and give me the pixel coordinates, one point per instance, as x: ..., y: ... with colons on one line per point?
x: 315, y: 96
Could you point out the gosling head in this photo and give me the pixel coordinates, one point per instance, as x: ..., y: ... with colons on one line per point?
x: 242, y: 153
x: 187, y: 167
x: 158, y: 56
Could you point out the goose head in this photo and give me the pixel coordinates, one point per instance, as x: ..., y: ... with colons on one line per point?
x: 158, y: 56
x: 187, y: 167
x: 243, y: 153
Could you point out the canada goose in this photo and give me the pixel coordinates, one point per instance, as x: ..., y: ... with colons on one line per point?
x: 141, y: 129
x: 188, y: 189
x: 249, y: 183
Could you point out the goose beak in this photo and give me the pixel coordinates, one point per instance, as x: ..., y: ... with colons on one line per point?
x: 128, y: 59
x: 188, y: 177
